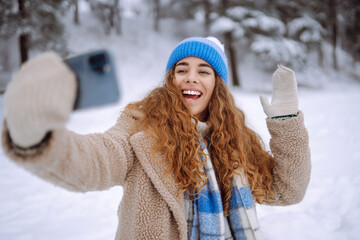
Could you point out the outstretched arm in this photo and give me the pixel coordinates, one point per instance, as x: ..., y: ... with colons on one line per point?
x: 38, y: 102
x: 78, y: 162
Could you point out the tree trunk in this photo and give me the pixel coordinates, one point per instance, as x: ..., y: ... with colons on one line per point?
x: 24, y: 48
x: 334, y: 31
x: 157, y: 15
x: 76, y: 12
x: 23, y: 38
x: 207, y: 8
x: 320, y: 55
x: 111, y: 16
x: 232, y: 59
x: 117, y: 18
x: 223, y: 6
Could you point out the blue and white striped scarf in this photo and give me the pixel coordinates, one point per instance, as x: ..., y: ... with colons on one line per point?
x: 206, y: 218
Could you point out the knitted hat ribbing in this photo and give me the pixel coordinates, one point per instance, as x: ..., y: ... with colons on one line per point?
x: 204, y: 48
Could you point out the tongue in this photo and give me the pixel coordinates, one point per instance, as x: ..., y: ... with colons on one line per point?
x: 191, y: 96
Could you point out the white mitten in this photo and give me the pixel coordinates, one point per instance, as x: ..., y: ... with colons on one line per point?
x: 40, y: 98
x: 284, y: 100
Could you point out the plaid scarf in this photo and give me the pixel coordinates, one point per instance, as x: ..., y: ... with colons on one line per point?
x: 205, y: 215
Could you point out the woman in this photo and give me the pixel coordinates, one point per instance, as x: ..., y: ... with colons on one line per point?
x: 189, y: 165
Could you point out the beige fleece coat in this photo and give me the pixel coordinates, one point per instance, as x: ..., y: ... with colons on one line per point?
x: 150, y: 207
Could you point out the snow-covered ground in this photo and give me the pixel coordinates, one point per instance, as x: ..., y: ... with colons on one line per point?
x: 33, y: 209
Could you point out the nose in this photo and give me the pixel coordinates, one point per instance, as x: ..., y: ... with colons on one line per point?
x: 192, y: 77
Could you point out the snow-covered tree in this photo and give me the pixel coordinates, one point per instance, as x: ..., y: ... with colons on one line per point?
x: 350, y: 24
x: 47, y: 30
x: 306, y: 30
x: 265, y: 36
x: 309, y: 32
x: 36, y: 23
x: 8, y: 18
x: 279, y: 51
x: 287, y: 10
x: 109, y: 13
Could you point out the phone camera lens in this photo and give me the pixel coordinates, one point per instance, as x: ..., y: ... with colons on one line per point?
x: 99, y: 64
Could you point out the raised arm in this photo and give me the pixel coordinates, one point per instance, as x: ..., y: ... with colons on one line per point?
x: 289, y: 140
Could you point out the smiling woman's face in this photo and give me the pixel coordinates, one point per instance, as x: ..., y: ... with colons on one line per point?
x: 196, y: 80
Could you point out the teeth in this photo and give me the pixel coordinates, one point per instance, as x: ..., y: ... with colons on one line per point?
x: 188, y: 92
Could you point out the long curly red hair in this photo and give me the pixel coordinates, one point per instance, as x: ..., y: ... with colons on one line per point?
x: 233, y: 145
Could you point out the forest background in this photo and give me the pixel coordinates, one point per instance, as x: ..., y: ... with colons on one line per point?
x: 297, y: 33
x: 318, y: 39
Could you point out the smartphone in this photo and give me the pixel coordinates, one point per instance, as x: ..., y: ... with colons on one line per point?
x: 96, y: 77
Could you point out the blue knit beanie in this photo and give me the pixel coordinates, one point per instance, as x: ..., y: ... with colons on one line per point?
x: 209, y: 49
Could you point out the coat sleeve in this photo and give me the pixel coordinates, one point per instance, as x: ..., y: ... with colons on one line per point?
x: 289, y: 144
x: 79, y: 162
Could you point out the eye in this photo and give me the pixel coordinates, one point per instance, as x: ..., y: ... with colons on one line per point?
x: 204, y: 72
x: 180, y: 70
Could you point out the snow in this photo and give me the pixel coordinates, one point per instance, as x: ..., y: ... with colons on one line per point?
x: 33, y: 209
x: 240, y: 13
x: 266, y: 24
x: 223, y: 24
x: 256, y: 19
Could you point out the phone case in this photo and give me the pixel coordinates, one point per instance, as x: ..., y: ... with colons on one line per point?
x: 96, y: 77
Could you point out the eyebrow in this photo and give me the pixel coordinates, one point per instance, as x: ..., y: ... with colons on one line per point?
x: 187, y: 64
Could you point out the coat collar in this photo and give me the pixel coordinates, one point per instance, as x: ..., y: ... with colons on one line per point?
x: 155, y: 168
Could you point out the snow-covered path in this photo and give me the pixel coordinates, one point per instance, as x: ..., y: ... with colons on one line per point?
x: 33, y: 209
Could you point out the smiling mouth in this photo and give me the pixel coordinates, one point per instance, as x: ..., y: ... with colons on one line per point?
x: 191, y: 94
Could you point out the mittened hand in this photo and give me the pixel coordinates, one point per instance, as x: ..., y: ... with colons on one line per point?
x: 284, y: 99
x: 39, y: 99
